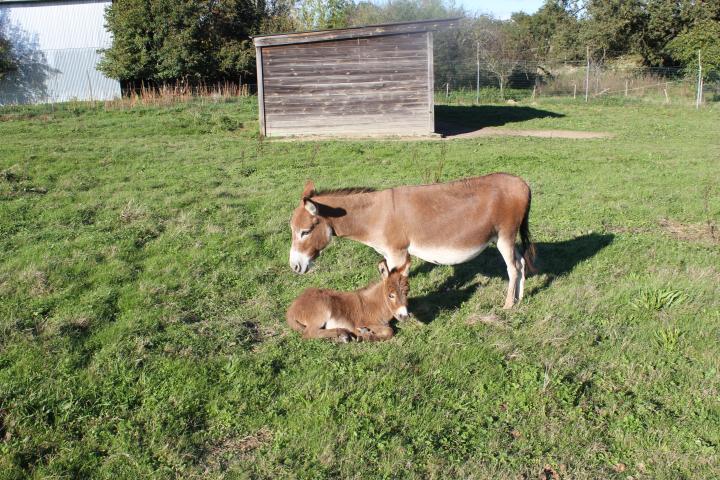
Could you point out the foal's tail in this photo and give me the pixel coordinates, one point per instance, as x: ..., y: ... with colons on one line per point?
x: 528, y: 247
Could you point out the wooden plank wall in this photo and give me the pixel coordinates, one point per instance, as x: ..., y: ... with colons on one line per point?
x: 359, y: 86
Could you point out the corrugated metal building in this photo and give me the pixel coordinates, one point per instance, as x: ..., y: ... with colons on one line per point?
x: 57, y: 43
x: 374, y: 80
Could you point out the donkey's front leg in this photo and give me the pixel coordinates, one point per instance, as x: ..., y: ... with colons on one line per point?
x: 396, y: 258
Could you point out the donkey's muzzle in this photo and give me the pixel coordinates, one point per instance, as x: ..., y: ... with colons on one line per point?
x: 297, y: 268
x: 299, y: 262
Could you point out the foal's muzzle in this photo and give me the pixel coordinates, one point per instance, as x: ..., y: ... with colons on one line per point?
x: 401, y: 314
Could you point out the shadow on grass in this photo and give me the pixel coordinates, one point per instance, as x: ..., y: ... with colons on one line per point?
x: 554, y: 259
x: 456, y: 119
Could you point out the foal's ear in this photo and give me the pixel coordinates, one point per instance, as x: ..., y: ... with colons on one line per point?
x: 383, y: 268
x: 404, y: 269
x: 310, y: 206
x: 309, y: 190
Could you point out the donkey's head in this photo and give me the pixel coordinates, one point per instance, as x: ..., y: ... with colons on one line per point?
x: 311, y: 232
x: 395, y: 288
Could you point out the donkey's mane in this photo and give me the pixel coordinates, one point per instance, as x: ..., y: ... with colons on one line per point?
x: 335, y: 192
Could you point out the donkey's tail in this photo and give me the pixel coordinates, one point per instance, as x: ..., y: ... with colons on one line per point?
x: 527, y: 246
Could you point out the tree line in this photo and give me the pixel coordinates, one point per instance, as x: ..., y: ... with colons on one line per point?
x: 210, y: 40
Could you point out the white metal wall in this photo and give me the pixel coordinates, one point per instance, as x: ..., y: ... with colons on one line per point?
x: 57, y: 42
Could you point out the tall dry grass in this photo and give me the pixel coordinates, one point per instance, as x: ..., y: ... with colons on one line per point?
x: 169, y: 94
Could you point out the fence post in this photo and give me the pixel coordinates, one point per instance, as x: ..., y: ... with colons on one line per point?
x: 626, y: 87
x: 574, y: 90
x: 87, y: 73
x: 698, y: 99
x: 587, y: 72
x: 667, y: 99
x: 447, y: 90
x: 477, y: 82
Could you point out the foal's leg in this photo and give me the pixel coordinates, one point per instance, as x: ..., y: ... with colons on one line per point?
x: 340, y: 334
x: 380, y: 333
x: 375, y: 333
x: 506, y: 245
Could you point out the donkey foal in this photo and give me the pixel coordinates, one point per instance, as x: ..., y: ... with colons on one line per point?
x: 363, y: 314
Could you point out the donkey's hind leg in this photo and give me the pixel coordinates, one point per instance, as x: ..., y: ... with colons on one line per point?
x: 506, y: 245
x: 521, y: 280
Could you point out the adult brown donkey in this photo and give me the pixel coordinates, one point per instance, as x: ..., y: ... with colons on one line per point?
x: 444, y: 223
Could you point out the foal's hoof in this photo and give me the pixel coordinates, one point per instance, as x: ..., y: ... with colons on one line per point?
x: 345, y: 338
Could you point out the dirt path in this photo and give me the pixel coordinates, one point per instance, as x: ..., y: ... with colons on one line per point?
x: 506, y: 132
x: 450, y: 132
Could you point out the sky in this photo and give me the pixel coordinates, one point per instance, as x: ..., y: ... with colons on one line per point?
x: 500, y: 8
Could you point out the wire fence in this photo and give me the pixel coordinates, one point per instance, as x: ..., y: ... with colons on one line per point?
x: 62, y: 75
x: 509, y: 79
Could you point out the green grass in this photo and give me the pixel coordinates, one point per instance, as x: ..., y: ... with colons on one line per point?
x: 144, y: 280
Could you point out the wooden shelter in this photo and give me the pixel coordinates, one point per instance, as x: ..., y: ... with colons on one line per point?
x: 374, y: 80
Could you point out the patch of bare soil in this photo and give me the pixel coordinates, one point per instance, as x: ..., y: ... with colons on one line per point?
x: 489, y: 319
x: 691, y: 232
x: 9, y: 117
x: 506, y: 132
x: 233, y: 448
x: 707, y: 232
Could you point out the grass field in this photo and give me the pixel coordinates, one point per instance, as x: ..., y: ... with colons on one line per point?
x: 144, y: 281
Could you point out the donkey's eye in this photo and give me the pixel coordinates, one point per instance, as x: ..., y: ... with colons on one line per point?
x: 392, y: 295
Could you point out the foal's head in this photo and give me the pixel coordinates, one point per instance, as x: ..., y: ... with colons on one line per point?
x: 395, y: 288
x: 310, y: 231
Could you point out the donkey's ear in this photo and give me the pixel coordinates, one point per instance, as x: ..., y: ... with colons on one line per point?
x: 310, y: 206
x: 309, y: 190
x: 383, y: 268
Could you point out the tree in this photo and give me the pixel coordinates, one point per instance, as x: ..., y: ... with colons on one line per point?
x: 7, y: 60
x: 7, y: 63
x: 323, y: 14
x: 552, y: 31
x: 614, y: 26
x: 190, y: 40
x: 501, y: 46
x: 369, y: 13
x: 703, y: 37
